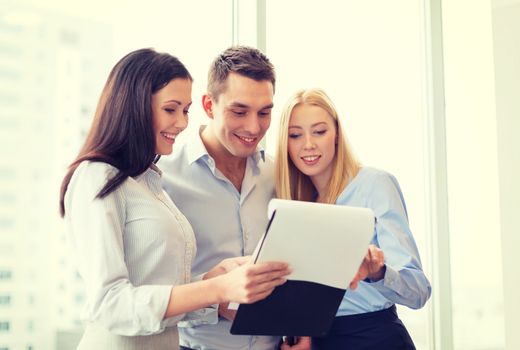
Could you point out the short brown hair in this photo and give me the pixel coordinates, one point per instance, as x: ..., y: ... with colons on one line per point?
x: 243, y: 60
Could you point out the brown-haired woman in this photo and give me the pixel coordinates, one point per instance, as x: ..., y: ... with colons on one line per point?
x: 132, y: 245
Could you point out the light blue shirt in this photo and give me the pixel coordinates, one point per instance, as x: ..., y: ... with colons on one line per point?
x: 227, y: 223
x: 404, y: 282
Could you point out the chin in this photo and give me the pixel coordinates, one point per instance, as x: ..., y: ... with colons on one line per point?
x: 308, y: 172
x: 240, y: 152
x: 164, y: 152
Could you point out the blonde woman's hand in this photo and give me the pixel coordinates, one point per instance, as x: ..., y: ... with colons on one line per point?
x: 372, y: 267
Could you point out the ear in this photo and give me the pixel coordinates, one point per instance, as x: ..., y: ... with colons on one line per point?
x: 207, y: 104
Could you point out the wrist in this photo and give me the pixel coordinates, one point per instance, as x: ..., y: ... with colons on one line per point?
x: 379, y: 275
x: 218, y: 286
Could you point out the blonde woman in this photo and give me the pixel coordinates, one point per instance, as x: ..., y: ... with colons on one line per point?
x: 314, y: 163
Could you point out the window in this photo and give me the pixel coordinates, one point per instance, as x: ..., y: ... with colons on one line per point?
x: 5, y: 299
x: 63, y: 53
x: 5, y: 274
x: 4, y: 326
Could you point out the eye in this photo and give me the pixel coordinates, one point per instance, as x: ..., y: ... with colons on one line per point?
x: 320, y: 132
x: 265, y: 113
x: 186, y: 111
x: 294, y: 136
x: 239, y: 113
x: 170, y: 110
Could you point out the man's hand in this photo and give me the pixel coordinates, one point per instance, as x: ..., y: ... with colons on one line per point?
x: 302, y: 343
x: 228, y: 314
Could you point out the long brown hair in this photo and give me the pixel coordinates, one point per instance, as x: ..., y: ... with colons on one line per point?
x: 121, y: 133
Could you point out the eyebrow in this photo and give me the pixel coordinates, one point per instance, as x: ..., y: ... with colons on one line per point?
x: 177, y: 102
x: 312, y: 126
x: 241, y: 105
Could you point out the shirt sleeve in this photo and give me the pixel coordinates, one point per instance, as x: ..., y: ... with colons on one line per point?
x: 96, y: 229
x: 405, y: 282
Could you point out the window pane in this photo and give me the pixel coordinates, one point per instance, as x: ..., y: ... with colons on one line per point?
x: 55, y: 57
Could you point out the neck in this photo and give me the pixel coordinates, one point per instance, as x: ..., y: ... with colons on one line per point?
x: 321, y: 183
x: 223, y: 159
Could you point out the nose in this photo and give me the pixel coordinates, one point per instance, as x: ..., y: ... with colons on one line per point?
x: 252, y: 125
x: 181, y: 123
x: 309, y: 143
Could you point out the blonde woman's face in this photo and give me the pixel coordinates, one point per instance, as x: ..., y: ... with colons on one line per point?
x: 312, y: 141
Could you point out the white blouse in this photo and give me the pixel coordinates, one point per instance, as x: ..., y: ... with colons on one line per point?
x: 131, y: 247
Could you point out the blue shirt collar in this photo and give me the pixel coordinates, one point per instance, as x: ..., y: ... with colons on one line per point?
x: 196, y: 150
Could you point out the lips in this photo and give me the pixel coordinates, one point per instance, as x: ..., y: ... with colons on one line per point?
x: 248, y: 141
x: 310, y: 160
x: 169, y: 137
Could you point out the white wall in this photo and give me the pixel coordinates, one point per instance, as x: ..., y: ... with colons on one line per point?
x: 471, y: 125
x: 506, y: 31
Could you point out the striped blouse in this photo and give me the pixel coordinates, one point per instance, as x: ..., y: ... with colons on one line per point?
x: 130, y: 247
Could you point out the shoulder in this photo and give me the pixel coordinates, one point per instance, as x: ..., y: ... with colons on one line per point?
x: 92, y: 176
x: 383, y: 192
x: 95, y: 170
x: 373, y: 184
x: 374, y: 178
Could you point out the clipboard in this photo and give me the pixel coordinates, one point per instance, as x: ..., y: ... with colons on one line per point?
x: 324, y: 244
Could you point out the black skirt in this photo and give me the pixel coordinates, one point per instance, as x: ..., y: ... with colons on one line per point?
x: 369, y: 331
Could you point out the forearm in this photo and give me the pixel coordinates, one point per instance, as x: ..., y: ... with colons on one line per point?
x: 408, y: 287
x: 246, y: 284
x: 193, y: 296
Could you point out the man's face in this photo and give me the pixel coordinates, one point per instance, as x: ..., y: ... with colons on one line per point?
x: 242, y: 114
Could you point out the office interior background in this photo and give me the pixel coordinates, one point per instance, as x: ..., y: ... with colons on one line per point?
x: 427, y: 89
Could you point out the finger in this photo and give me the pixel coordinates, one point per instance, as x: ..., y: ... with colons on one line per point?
x: 258, y: 296
x: 267, y: 286
x: 353, y: 285
x: 304, y: 343
x: 301, y: 345
x: 270, y: 266
x: 263, y: 290
x: 376, y: 253
x: 266, y: 279
x: 241, y: 260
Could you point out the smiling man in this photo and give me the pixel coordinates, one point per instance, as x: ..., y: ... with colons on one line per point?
x: 222, y: 182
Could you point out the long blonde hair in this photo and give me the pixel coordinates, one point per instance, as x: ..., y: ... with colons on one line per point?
x: 292, y: 183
